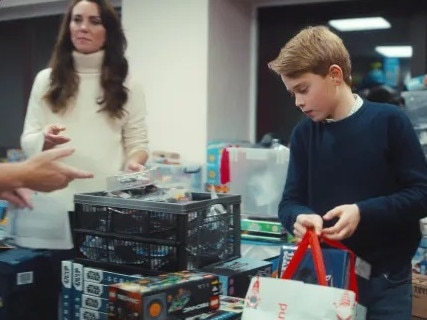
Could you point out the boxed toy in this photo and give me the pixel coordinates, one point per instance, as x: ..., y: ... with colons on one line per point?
x: 419, y: 260
x: 419, y: 296
x: 171, y: 295
x: 235, y: 275
x: 230, y: 308
x: 89, y: 289
x: 263, y: 230
x: 25, y: 284
x: 336, y: 263
x: 89, y: 314
x: 218, y: 164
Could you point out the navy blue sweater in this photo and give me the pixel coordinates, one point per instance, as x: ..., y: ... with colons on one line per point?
x: 372, y: 158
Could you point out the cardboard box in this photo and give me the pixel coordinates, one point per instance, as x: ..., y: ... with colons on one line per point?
x: 25, y: 284
x: 236, y: 275
x: 171, y: 295
x: 230, y: 308
x: 419, y: 295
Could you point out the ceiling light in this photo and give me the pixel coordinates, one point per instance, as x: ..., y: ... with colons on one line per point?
x: 395, y: 51
x: 358, y: 24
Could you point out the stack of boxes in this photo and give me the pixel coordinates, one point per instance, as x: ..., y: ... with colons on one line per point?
x: 419, y: 276
x: 85, y: 290
x: 159, y: 240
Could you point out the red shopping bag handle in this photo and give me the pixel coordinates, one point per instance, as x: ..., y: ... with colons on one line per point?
x: 310, y: 238
x: 352, y: 281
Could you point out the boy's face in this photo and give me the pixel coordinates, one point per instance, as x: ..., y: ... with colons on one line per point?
x: 315, y: 95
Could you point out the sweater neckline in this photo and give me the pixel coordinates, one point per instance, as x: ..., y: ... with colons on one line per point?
x: 346, y: 120
x: 90, y: 63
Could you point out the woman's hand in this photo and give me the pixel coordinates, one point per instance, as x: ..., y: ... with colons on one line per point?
x: 53, y: 136
x: 134, y: 166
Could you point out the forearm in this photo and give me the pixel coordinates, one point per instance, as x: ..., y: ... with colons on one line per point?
x: 32, y: 143
x: 12, y: 176
x: 139, y: 157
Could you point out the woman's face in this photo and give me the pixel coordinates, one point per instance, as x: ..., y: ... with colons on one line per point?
x: 86, y: 29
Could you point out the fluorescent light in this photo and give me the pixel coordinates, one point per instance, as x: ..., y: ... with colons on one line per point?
x: 395, y: 51
x: 358, y: 24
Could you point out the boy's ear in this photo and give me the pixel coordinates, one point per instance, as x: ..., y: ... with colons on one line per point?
x: 335, y: 72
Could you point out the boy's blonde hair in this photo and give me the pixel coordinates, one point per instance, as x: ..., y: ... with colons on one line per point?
x: 313, y: 49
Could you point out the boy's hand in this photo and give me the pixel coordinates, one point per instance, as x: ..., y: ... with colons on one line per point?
x: 307, y: 221
x: 348, y: 219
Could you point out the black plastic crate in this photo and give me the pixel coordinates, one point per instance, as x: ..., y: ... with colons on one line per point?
x: 156, y: 236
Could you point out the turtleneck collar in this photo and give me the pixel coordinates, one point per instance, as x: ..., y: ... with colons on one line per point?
x: 88, y: 63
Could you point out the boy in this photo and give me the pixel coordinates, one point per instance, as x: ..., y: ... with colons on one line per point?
x: 357, y: 172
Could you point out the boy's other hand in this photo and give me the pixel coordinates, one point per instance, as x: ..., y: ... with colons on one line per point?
x: 307, y: 221
x: 348, y: 219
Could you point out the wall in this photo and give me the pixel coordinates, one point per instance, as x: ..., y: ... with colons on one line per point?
x: 194, y: 65
x: 229, y: 71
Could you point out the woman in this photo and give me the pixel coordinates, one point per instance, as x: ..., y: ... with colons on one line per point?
x: 86, y: 100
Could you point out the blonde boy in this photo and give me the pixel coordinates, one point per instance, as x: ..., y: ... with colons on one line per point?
x: 357, y: 172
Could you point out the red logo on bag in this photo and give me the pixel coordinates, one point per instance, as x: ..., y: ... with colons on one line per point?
x: 253, y: 299
x: 282, y: 312
x: 344, y: 308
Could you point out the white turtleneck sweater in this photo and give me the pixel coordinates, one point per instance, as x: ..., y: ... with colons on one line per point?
x: 102, y: 145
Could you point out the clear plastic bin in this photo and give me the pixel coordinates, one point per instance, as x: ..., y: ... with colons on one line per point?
x: 178, y: 175
x: 259, y: 176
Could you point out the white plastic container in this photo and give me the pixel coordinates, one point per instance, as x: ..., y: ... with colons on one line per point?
x: 259, y: 176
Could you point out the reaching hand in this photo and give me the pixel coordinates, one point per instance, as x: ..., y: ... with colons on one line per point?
x: 307, y: 221
x: 19, y: 197
x: 134, y: 166
x: 52, y: 136
x: 44, y: 173
x: 348, y: 219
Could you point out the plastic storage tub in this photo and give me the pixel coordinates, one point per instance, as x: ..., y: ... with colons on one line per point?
x: 259, y: 176
x: 156, y: 236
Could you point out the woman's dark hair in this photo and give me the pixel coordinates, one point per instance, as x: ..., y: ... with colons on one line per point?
x: 64, y: 81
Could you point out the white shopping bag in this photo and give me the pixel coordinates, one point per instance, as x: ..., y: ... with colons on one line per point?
x: 270, y: 298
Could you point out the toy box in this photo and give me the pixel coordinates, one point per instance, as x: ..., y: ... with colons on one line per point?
x: 87, y: 281
x: 230, y: 308
x: 218, y: 165
x: 419, y: 296
x: 172, y: 295
x: 89, y: 314
x: 336, y: 264
x: 419, y: 260
x: 263, y: 230
x: 25, y: 284
x: 235, y: 275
